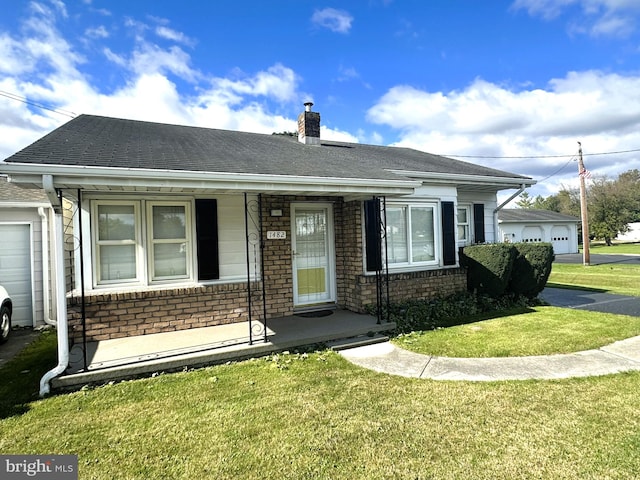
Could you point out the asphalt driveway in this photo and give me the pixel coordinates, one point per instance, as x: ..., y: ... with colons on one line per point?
x: 594, y: 300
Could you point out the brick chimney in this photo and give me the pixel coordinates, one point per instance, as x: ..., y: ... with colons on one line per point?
x: 309, y: 126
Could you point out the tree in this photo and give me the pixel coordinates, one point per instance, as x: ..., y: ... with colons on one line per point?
x: 525, y: 201
x: 613, y: 204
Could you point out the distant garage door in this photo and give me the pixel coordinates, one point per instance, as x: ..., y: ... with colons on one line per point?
x: 15, y: 270
x: 532, y: 234
x: 560, y: 239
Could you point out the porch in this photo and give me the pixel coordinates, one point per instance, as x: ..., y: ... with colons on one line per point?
x: 121, y: 358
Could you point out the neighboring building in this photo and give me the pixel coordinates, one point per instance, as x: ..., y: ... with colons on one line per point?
x: 25, y: 216
x: 182, y: 227
x: 532, y: 225
x: 631, y: 235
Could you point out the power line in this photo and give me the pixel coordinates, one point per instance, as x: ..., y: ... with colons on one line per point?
x: 496, y: 157
x: 572, y: 159
x: 25, y: 100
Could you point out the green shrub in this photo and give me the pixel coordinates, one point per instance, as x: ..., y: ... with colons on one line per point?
x: 488, y: 267
x: 531, y: 268
x: 420, y: 315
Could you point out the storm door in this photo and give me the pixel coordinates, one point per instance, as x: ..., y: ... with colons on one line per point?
x: 313, y: 254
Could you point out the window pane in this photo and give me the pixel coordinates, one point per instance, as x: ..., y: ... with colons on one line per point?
x: 462, y: 232
x: 462, y: 215
x: 311, y: 231
x: 397, y: 235
x: 116, y: 222
x: 168, y: 222
x: 170, y: 259
x: 422, y: 234
x: 117, y: 262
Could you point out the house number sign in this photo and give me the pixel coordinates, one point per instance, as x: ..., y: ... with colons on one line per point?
x: 276, y: 234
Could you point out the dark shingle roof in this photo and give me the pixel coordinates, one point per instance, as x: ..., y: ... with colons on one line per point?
x: 111, y: 142
x: 516, y: 215
x: 10, y: 193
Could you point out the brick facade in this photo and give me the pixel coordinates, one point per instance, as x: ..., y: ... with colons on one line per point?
x: 114, y: 315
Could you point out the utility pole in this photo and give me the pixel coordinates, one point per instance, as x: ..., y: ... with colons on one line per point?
x: 582, y: 172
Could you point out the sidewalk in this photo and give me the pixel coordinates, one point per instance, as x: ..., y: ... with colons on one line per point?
x: 622, y: 356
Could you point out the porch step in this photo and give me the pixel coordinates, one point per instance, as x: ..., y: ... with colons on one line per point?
x: 359, y: 341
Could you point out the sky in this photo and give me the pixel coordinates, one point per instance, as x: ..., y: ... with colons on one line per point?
x: 509, y: 84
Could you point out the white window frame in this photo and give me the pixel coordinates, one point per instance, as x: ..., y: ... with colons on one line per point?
x: 143, y: 218
x: 152, y: 242
x: 97, y: 243
x: 467, y: 225
x: 437, y: 247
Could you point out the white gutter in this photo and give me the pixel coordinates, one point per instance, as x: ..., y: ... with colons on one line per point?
x: 45, y: 268
x: 172, y: 179
x: 507, y: 182
x: 500, y: 207
x: 62, y: 324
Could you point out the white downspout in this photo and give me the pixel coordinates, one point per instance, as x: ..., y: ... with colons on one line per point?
x: 61, y: 310
x: 496, y: 227
x: 45, y: 268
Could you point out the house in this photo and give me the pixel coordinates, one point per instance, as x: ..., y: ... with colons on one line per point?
x: 25, y: 216
x: 631, y: 235
x: 180, y: 227
x: 532, y: 225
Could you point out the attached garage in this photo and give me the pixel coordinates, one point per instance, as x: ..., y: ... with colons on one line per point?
x: 25, y: 270
x: 530, y: 225
x: 15, y: 270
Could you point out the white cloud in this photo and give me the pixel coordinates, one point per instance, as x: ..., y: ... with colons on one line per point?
x: 485, y: 119
x: 39, y: 63
x: 335, y: 20
x: 616, y: 18
x: 97, y: 32
x: 170, y: 34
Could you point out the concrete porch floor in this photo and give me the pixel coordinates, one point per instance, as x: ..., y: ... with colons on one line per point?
x: 142, y: 355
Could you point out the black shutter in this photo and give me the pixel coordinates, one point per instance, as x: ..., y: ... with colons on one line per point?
x: 373, y: 240
x: 448, y: 234
x: 207, y: 233
x: 478, y: 222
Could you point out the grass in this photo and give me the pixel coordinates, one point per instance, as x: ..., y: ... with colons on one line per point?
x: 537, y: 331
x: 21, y: 375
x: 613, y: 278
x: 318, y: 417
x: 615, y: 249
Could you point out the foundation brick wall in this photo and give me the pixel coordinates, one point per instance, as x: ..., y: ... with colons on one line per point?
x: 424, y: 285
x: 117, y: 315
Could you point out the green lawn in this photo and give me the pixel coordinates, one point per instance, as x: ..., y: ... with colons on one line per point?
x: 537, y: 331
x: 616, y: 248
x: 316, y: 416
x: 623, y: 279
x: 319, y: 417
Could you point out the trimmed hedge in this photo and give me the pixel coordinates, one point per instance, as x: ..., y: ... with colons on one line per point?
x: 517, y: 268
x: 488, y: 267
x: 531, y: 268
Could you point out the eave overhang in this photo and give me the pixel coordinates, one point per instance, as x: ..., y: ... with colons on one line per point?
x: 126, y: 180
x: 465, y: 180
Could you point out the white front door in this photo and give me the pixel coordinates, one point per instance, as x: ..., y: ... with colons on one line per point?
x: 313, y: 253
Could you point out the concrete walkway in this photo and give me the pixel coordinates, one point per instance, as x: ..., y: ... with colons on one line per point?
x: 622, y: 356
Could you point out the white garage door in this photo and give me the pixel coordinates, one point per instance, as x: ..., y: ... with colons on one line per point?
x: 15, y: 270
x: 560, y: 239
x: 532, y: 234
